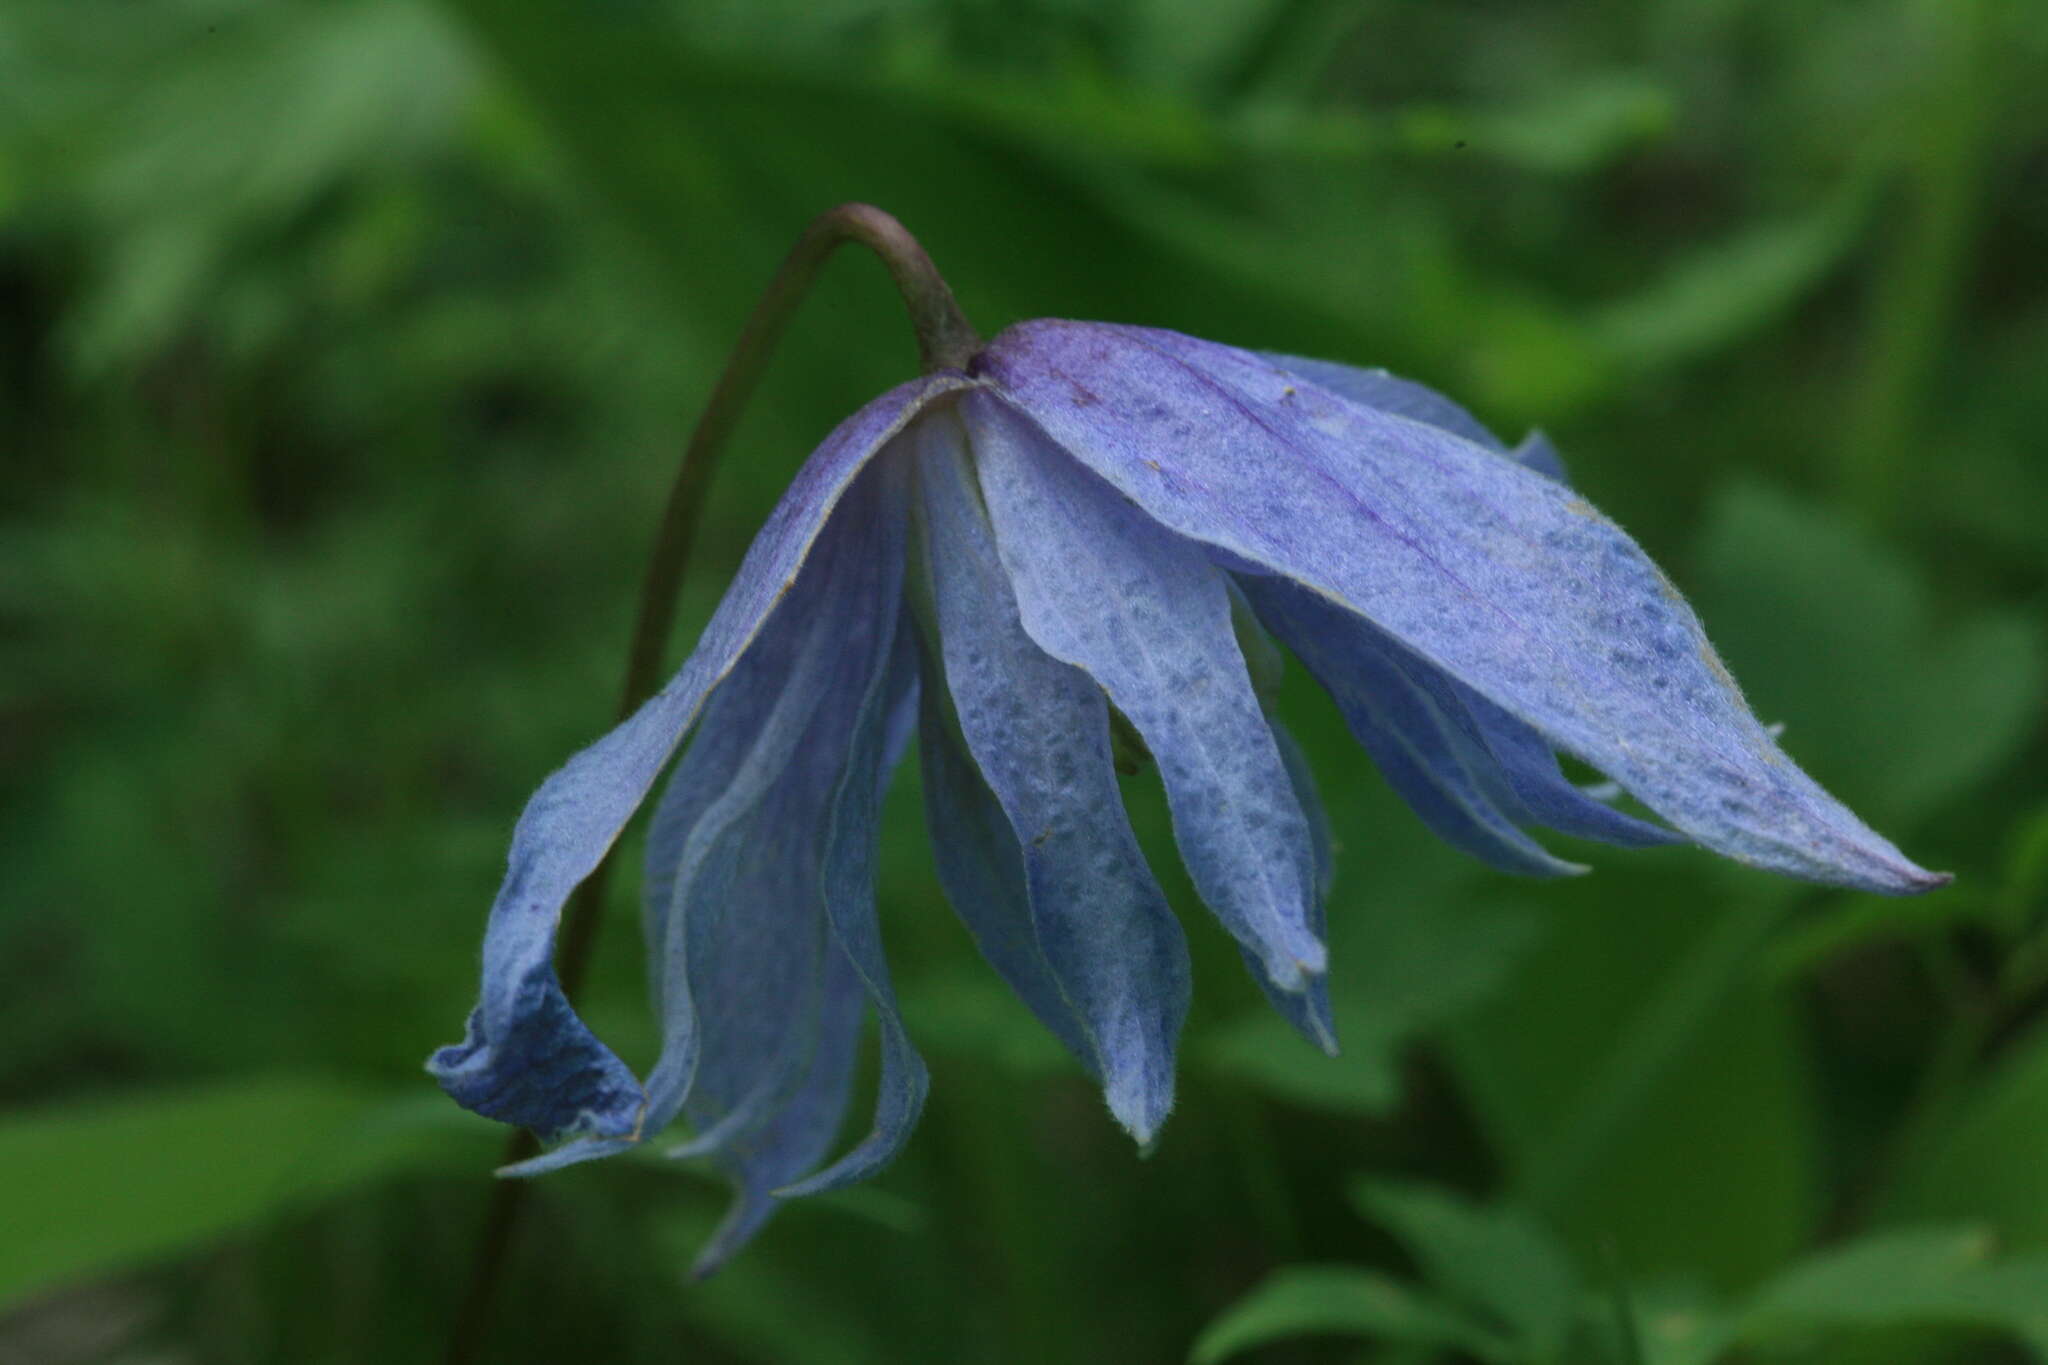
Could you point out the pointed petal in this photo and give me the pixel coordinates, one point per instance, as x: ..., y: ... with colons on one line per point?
x: 1307, y: 1009
x: 571, y: 1153
x: 1038, y: 731
x: 735, y: 915
x: 798, y: 1135
x: 527, y: 1059
x: 1537, y: 455
x: 1414, y: 743
x: 1498, y: 576
x: 1146, y: 616
x: 982, y: 870
x: 1303, y: 779
x: 1540, y: 792
x: 1389, y: 393
x: 1514, y: 761
x: 777, y: 1132
x: 852, y: 836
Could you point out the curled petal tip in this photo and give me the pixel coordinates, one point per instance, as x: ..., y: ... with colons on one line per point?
x: 1310, y: 959
x: 1919, y: 880
x: 1141, y: 1114
x: 1325, y: 1037
x: 568, y: 1154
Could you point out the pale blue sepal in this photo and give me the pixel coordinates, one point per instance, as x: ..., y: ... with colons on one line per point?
x: 1037, y: 730
x: 852, y: 835
x: 526, y: 1058
x: 1405, y: 398
x: 1415, y: 744
x: 1516, y: 764
x: 801, y: 1132
x: 743, y: 931
x: 1387, y: 392
x: 1145, y: 615
x: 1499, y: 576
x: 571, y: 1153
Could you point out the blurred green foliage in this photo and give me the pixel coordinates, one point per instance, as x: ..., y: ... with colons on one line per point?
x: 345, y: 346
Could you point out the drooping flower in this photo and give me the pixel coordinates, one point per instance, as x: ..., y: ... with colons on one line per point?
x: 1090, y: 530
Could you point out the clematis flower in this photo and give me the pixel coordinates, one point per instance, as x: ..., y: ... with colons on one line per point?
x: 1086, y: 534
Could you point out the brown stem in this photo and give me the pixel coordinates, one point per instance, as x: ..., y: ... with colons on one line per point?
x: 944, y: 341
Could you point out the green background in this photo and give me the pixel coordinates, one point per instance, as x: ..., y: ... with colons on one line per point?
x: 346, y: 350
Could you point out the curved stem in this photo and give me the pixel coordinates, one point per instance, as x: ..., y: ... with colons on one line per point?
x: 944, y: 341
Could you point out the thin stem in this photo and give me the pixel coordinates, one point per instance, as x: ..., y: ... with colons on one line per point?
x: 944, y: 341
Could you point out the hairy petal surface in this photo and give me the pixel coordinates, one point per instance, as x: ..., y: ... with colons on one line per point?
x: 800, y: 1132
x: 1148, y: 618
x: 1414, y: 743
x: 852, y: 835
x: 741, y: 940
x: 1308, y: 1011
x: 1537, y: 791
x: 1499, y: 576
x: 526, y: 1058
x: 1390, y: 393
x: 1038, y: 732
x: 1505, y: 756
x: 981, y: 868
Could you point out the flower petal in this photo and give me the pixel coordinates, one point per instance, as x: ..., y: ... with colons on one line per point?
x: 852, y: 836
x: 1308, y: 1010
x: 1537, y: 455
x: 1405, y: 398
x: 1505, y: 756
x: 1537, y: 791
x: 1303, y: 779
x: 797, y: 1136
x: 1389, y: 393
x: 1148, y: 618
x: 526, y: 1058
x: 1038, y: 732
x: 1414, y: 743
x: 1500, y: 577
x: 982, y: 870
x: 736, y: 912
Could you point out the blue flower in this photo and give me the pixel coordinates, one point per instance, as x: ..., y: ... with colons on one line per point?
x: 1088, y: 534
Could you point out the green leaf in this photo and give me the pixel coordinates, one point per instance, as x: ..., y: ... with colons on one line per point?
x: 1936, y: 1277
x: 1585, y: 123
x: 1497, y: 1263
x: 1633, y: 1029
x: 92, y: 1189
x: 1989, y: 1164
x: 1730, y: 289
x: 1305, y: 1300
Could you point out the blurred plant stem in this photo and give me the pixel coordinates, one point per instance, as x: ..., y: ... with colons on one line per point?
x: 1917, y: 285
x: 1668, y: 1023
x: 944, y: 340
